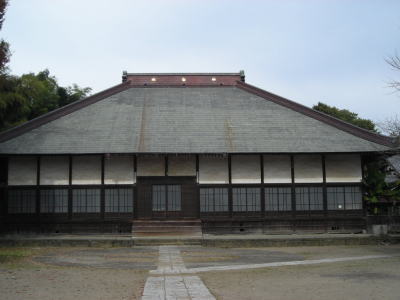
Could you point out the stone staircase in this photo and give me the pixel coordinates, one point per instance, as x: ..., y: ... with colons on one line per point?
x: 167, y: 228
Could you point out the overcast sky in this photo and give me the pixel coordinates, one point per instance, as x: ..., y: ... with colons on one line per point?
x: 307, y: 51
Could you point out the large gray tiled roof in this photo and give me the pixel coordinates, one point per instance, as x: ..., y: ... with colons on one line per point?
x: 185, y: 120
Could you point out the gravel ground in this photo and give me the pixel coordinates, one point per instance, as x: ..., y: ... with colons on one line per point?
x: 120, y: 273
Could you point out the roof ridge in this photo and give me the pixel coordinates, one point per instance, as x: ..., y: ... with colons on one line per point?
x: 62, y: 111
x: 328, y: 119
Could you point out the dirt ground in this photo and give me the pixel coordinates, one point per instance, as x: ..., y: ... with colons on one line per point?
x: 29, y: 278
x: 364, y: 279
x: 120, y: 273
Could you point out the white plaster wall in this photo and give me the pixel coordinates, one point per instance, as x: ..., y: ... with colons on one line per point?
x: 181, y: 165
x: 246, y: 169
x: 119, y: 170
x: 343, y: 168
x: 308, y: 168
x: 213, y: 170
x: 22, y: 171
x: 151, y: 166
x: 86, y: 170
x: 54, y: 170
x: 277, y: 169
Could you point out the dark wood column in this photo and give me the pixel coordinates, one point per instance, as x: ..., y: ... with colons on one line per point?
x: 3, y: 185
x: 135, y: 190
x: 197, y: 185
x: 102, y: 191
x: 293, y: 192
x: 166, y: 164
x: 230, y: 194
x: 70, y: 187
x: 38, y: 187
x: 262, y: 185
x: 324, y: 192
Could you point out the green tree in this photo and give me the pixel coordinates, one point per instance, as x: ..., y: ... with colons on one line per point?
x: 31, y: 95
x: 376, y: 188
x: 346, y: 115
x: 4, y: 47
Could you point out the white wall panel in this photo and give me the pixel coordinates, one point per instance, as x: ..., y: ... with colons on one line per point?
x: 213, y: 170
x: 86, y: 170
x: 277, y: 169
x: 151, y: 166
x: 119, y: 170
x: 22, y: 171
x: 308, y: 168
x: 54, y: 170
x: 343, y: 168
x: 181, y: 165
x: 246, y: 169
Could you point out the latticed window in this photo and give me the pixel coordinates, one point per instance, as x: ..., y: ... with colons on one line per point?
x: 246, y: 199
x: 278, y: 199
x: 214, y: 200
x: 348, y: 197
x: 54, y: 201
x: 167, y: 196
x: 118, y: 200
x: 309, y: 198
x: 21, y: 201
x: 86, y: 200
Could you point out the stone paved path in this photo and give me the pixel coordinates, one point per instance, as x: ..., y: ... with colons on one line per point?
x: 174, y: 287
x: 273, y: 264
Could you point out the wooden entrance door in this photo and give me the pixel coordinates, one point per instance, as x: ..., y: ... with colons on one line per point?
x: 167, y: 198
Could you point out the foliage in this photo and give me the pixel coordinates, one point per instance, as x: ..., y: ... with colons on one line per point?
x: 346, y: 115
x: 391, y: 126
x: 4, y: 47
x: 25, y: 97
x: 376, y: 188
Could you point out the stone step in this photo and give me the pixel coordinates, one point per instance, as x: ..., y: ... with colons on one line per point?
x: 149, y: 228
x: 163, y: 223
x: 166, y: 228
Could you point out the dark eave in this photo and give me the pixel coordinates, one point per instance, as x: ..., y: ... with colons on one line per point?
x: 339, y: 124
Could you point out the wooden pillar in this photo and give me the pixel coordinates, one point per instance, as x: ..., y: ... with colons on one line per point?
x: 363, y: 165
x: 293, y: 193
x: 198, y: 187
x: 230, y: 195
x: 135, y: 193
x: 70, y: 187
x: 262, y: 185
x: 324, y: 192
x: 166, y: 164
x: 4, y: 185
x: 38, y: 187
x: 102, y: 191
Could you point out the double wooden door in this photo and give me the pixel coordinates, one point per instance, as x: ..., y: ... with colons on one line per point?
x: 167, y: 198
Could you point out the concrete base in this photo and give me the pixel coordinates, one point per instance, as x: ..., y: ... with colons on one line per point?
x: 207, y: 240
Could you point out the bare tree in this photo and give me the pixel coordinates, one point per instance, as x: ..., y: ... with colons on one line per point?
x: 391, y: 126
x: 394, y: 62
